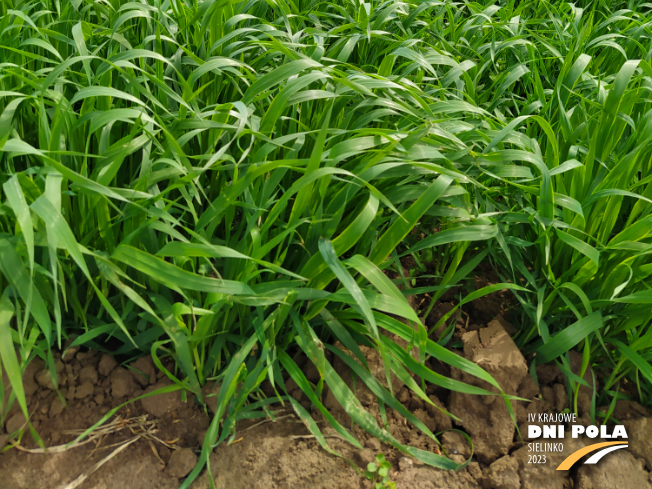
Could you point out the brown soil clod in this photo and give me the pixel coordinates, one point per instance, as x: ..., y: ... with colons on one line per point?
x: 181, y: 463
x: 162, y: 405
x: 44, y: 378
x: 487, y: 421
x: 16, y: 422
x: 152, y: 444
x: 619, y: 469
x: 106, y: 365
x: 122, y: 383
x: 143, y: 371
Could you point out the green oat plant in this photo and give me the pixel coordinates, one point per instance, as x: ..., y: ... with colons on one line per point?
x: 223, y: 182
x: 570, y: 185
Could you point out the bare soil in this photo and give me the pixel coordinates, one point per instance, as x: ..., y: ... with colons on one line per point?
x: 154, y: 443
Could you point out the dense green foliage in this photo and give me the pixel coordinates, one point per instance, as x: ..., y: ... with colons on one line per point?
x: 225, y: 181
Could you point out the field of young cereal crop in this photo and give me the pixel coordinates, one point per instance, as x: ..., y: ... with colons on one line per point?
x: 325, y: 244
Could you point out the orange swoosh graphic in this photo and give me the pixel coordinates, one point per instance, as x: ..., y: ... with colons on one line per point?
x: 575, y: 456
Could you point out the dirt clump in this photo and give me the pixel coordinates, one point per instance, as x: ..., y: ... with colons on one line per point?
x: 639, y: 431
x: 617, y: 469
x: 625, y: 410
x: 143, y: 371
x: 488, y: 307
x: 283, y: 453
x: 520, y: 469
x: 56, y: 408
x: 90, y: 395
x: 366, y: 397
x: 106, y: 365
x: 280, y: 455
x: 456, y: 444
x: 422, y: 477
x: 122, y: 383
x: 162, y: 405
x: 16, y: 422
x: 88, y: 374
x: 486, y: 418
x: 181, y: 463
x: 30, y: 385
x: 84, y: 390
x: 545, y: 475
x: 44, y: 379
x: 548, y: 373
x: 503, y: 474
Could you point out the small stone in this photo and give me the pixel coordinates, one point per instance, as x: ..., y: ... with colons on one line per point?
x: 122, y: 383
x: 45, y: 379
x: 106, y: 365
x: 16, y: 422
x: 88, y: 374
x: 99, y: 399
x: 70, y: 395
x: 84, y: 390
x: 58, y: 366
x: 56, y: 408
x: 181, y: 463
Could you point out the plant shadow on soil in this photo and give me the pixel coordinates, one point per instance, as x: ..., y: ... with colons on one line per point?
x: 153, y: 443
